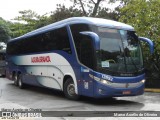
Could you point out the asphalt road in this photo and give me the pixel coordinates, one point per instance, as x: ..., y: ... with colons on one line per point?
x: 51, y: 100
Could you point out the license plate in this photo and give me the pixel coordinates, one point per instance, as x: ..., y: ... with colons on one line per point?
x: 126, y: 92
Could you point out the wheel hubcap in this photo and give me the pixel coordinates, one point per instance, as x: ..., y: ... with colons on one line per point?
x: 15, y: 80
x: 19, y: 81
x: 71, y: 89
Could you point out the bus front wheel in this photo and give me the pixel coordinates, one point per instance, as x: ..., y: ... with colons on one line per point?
x: 69, y: 90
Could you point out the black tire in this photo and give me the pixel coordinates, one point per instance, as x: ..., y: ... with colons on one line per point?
x: 3, y: 76
x: 69, y: 90
x: 21, y: 85
x: 15, y: 79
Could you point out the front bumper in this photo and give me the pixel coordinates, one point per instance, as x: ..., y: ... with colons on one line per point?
x: 118, y: 89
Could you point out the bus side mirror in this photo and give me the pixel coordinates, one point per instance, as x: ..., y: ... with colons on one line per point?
x: 150, y: 43
x: 94, y: 37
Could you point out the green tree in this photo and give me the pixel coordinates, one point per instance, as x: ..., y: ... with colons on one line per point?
x: 17, y: 29
x: 4, y: 31
x: 144, y: 16
x: 28, y: 21
x: 107, y: 14
x: 91, y: 7
x: 62, y: 13
x: 42, y: 20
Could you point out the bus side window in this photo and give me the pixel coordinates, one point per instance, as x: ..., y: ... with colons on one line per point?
x: 86, y: 51
x: 2, y: 56
x: 47, y: 42
x: 57, y: 39
x: 60, y: 36
x: 76, y: 29
x: 83, y: 44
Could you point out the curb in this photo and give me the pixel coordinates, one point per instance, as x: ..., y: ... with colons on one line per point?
x: 152, y: 90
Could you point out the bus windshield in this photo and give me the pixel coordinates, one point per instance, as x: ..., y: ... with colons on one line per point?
x: 120, y: 51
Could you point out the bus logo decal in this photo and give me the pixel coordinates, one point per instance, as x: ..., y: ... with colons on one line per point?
x: 40, y: 59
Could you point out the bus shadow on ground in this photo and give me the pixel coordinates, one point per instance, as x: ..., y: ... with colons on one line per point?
x: 87, y: 100
x: 114, y: 103
x: 109, y: 101
x: 40, y: 90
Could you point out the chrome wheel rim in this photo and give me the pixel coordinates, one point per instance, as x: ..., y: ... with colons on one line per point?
x: 20, y: 82
x: 15, y: 79
x: 71, y: 89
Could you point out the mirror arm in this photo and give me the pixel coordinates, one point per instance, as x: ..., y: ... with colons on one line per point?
x: 151, y: 44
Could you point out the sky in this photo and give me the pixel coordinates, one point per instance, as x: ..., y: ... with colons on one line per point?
x: 9, y: 8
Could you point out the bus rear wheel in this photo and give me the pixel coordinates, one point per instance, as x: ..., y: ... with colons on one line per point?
x: 69, y: 89
x: 21, y: 85
x: 15, y: 79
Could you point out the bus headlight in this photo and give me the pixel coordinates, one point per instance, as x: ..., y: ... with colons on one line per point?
x: 102, y: 80
x: 105, y: 81
x: 143, y: 81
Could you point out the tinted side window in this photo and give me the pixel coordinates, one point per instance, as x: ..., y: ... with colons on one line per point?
x: 37, y: 44
x: 14, y: 47
x: 62, y: 40
x: 50, y: 42
x: 9, y: 49
x: 86, y: 52
x: 56, y: 40
x: 2, y: 56
x: 29, y: 45
x: 53, y: 40
x: 83, y: 44
x: 76, y: 29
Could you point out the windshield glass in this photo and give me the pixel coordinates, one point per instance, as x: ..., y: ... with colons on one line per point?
x: 119, y: 52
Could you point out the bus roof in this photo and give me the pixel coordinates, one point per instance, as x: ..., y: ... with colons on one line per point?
x: 78, y: 20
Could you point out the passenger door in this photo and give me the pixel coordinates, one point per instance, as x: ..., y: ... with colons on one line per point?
x: 87, y: 59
